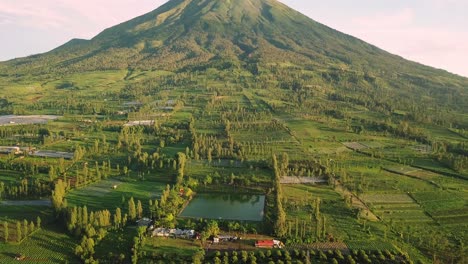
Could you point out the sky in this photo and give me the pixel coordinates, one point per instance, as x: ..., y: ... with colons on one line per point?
x: 432, y: 32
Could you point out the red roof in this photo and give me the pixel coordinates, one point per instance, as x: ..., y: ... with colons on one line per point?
x: 264, y: 243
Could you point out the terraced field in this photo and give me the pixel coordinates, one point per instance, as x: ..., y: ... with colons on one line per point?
x: 397, y: 207
x: 446, y: 208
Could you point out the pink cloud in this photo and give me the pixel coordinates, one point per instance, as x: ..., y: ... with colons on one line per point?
x: 446, y: 3
x: 398, y: 32
x: 402, y: 17
x: 86, y: 18
x: 30, y: 15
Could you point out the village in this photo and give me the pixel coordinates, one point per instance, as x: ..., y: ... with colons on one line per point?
x: 219, y: 241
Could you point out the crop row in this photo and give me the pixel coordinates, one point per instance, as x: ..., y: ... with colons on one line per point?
x: 370, y: 245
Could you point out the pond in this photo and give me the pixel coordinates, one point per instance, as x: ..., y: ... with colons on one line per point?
x: 245, y: 207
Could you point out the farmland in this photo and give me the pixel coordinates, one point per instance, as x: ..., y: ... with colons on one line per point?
x: 354, y: 191
x: 316, y: 157
x: 103, y: 195
x: 45, y: 246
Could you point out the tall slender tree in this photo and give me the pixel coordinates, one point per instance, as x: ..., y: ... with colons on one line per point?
x: 132, y: 214
x: 6, y: 233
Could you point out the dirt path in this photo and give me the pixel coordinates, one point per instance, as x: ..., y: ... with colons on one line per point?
x: 366, y: 213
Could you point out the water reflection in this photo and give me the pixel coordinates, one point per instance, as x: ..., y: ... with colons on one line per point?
x: 226, y: 206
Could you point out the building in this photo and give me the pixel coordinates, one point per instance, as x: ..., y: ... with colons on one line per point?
x: 269, y: 244
x: 143, y: 221
x: 10, y: 150
x: 227, y: 238
x: 178, y: 233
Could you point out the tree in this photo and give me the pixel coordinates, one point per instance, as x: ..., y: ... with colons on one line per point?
x: 89, y: 246
x: 72, y: 219
x: 208, y: 180
x: 26, y: 227
x: 131, y: 209
x: 6, y: 233
x: 38, y: 222
x: 280, y: 214
x: 181, y: 160
x: 84, y: 217
x: 18, y: 231
x: 79, y: 250
x: 2, y: 189
x: 31, y: 227
x: 58, y: 195
x: 117, y: 218
x: 198, y: 257
x: 139, y: 209
x: 52, y: 173
x: 212, y: 228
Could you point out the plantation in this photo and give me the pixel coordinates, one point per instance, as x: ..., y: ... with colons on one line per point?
x: 44, y: 246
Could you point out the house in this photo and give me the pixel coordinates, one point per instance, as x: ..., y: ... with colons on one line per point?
x: 177, y: 233
x: 264, y: 244
x: 10, y: 150
x: 161, y: 232
x: 226, y: 238
x: 269, y: 244
x: 144, y: 222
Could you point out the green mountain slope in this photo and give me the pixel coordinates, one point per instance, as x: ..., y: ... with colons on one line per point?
x: 183, y: 32
x: 251, y: 35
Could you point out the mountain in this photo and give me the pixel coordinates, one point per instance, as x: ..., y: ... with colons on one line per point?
x: 195, y: 35
x: 184, y: 32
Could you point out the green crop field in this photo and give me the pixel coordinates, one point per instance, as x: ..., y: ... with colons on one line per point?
x: 44, y: 246
x: 103, y: 196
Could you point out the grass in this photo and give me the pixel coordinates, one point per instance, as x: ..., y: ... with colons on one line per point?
x: 440, y: 203
x: 30, y: 213
x: 370, y: 245
x: 101, y: 196
x: 170, y: 247
x: 8, y: 176
x: 342, y: 221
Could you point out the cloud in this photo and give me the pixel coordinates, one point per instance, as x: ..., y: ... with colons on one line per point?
x: 30, y: 15
x: 86, y: 18
x: 449, y: 3
x: 400, y: 33
x: 400, y: 18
